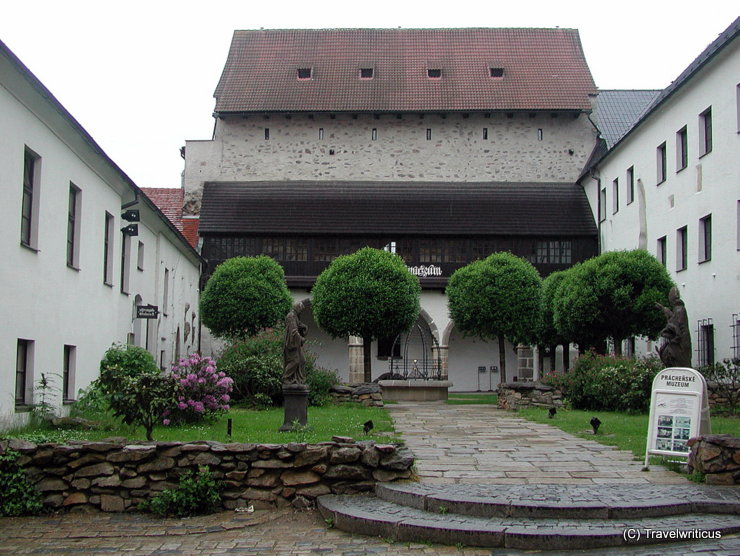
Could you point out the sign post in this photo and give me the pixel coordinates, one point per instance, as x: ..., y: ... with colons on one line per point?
x: 679, y: 410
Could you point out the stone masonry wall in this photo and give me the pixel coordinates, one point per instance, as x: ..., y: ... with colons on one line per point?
x: 115, y: 477
x: 515, y: 395
x: 513, y: 149
x: 717, y: 456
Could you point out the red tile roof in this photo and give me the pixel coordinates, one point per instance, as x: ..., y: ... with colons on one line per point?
x: 544, y: 69
x: 169, y: 200
x: 190, y: 229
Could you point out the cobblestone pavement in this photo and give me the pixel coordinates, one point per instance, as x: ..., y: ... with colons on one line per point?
x: 485, y: 445
x: 454, y: 444
x: 264, y: 532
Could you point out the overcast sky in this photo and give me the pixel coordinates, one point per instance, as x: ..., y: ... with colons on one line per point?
x: 140, y: 75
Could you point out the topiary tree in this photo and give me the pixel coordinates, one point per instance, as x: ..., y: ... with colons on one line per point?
x: 548, y: 334
x: 243, y: 296
x: 612, y: 296
x: 497, y: 297
x: 370, y: 294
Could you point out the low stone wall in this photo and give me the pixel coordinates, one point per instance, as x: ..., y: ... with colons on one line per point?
x: 514, y: 395
x: 366, y: 394
x: 415, y: 390
x: 717, y: 456
x: 114, y: 477
x: 718, y: 395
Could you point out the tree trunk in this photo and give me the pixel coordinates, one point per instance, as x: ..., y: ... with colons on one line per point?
x: 566, y: 357
x: 502, y: 357
x: 367, y: 344
x: 617, y: 347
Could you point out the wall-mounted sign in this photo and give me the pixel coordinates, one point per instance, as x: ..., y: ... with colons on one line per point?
x: 679, y: 410
x: 424, y: 271
x: 147, y: 311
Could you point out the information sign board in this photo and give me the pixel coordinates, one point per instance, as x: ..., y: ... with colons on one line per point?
x: 679, y: 410
x: 147, y: 311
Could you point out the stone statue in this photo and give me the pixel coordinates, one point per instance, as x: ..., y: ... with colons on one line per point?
x: 293, y: 359
x: 676, y: 352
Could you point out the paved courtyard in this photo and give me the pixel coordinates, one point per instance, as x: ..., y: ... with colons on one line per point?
x: 453, y: 444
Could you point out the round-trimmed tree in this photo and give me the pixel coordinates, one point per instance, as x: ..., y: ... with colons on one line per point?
x: 612, y: 296
x: 497, y: 297
x: 370, y: 294
x: 243, y: 296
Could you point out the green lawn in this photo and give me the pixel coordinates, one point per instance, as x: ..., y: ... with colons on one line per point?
x: 473, y: 398
x: 628, y: 432
x: 248, y: 426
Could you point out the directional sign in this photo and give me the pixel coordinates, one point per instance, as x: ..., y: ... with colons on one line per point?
x: 147, y: 311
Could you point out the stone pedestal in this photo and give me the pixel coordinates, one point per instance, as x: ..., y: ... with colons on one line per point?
x: 295, y: 404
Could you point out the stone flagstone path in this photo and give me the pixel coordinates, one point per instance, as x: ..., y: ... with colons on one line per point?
x: 485, y: 445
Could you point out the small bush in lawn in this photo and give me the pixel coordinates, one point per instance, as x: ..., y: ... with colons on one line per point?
x: 202, y: 390
x: 197, y: 494
x: 18, y: 495
x: 137, y: 391
x: 256, y: 365
x: 724, y: 379
x: 609, y: 383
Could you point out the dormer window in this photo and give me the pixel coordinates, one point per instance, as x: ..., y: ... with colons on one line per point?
x: 434, y: 73
x: 496, y: 72
x: 366, y: 73
x: 304, y: 73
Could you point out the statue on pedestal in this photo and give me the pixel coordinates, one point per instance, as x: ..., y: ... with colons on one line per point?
x: 676, y: 352
x: 294, y: 363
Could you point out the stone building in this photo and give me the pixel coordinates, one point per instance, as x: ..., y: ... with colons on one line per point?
x: 444, y: 145
x: 76, y: 266
x: 666, y: 178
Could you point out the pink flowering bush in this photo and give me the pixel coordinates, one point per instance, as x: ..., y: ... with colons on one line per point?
x: 202, y: 391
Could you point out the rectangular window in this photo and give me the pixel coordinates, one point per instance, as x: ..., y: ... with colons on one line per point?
x: 29, y: 204
x: 485, y: 134
x: 682, y: 149
x: 682, y: 248
x: 615, y: 196
x: 374, y: 134
x: 705, y: 239
x: 140, y: 256
x: 630, y: 184
x: 705, y: 132
x: 552, y: 252
x: 661, y: 251
x: 166, y: 292
x: 304, y: 73
x: 705, y: 336
x: 296, y: 250
x: 267, y: 134
x: 661, y: 160
x: 496, y: 72
x: 602, y: 204
x: 434, y: 73
x: 366, y: 73
x: 321, y: 134
x: 125, y: 261
x: 540, y: 134
x: 24, y: 372
x: 73, y: 227
x: 108, y: 250
x: 68, y: 372
x: 429, y: 134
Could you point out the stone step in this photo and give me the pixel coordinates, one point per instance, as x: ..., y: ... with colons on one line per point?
x: 606, y: 501
x: 369, y: 515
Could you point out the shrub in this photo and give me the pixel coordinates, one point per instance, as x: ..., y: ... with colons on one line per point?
x: 138, y: 393
x: 725, y: 379
x: 18, y: 495
x: 256, y: 366
x: 202, y: 391
x: 609, y: 383
x: 197, y: 494
x: 91, y: 400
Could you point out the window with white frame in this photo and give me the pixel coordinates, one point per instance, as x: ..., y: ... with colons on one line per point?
x: 705, y: 238
x: 73, y: 226
x: 68, y: 372
x: 661, y: 163
x: 602, y: 204
x: 30, y: 199
x: 705, y: 132
x: 140, y: 256
x: 24, y: 372
x: 125, y: 261
x: 108, y: 249
x: 661, y: 252
x: 615, y: 196
x: 705, y: 344
x: 682, y: 248
x: 682, y: 149
x: 630, y: 184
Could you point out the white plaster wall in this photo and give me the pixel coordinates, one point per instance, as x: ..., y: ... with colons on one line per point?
x: 42, y: 298
x: 709, y: 185
x: 456, y: 152
x: 467, y: 353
